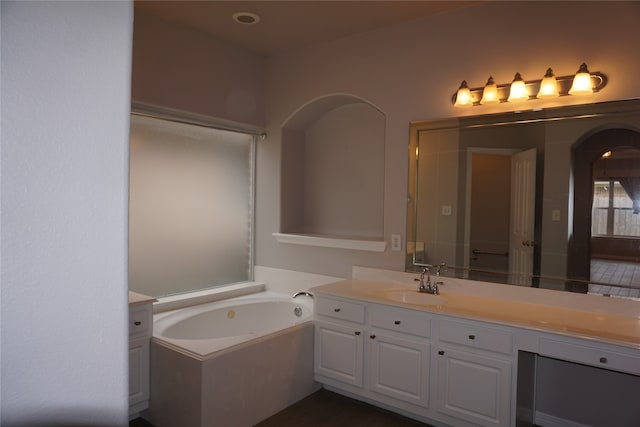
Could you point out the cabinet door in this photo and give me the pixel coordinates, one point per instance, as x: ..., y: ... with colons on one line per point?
x: 399, y: 368
x: 338, y: 352
x: 138, y: 371
x: 474, y: 388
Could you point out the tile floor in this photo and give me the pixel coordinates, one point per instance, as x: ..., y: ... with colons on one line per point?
x: 615, y: 278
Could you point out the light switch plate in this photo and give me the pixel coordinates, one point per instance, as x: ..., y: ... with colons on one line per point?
x: 396, y: 242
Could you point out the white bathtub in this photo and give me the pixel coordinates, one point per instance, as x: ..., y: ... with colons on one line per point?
x: 233, y: 362
x: 208, y: 328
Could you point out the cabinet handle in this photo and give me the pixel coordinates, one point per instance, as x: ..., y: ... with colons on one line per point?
x: 397, y: 322
x: 137, y: 323
x: 357, y: 332
x: 337, y: 310
x: 603, y: 360
x: 472, y: 337
x: 373, y: 337
x: 441, y: 352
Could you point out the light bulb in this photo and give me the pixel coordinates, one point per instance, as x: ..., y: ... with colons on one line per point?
x: 548, y: 86
x: 463, y: 97
x: 581, y: 82
x: 518, y: 91
x: 490, y: 93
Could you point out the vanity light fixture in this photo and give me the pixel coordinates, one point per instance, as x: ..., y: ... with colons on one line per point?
x: 582, y: 83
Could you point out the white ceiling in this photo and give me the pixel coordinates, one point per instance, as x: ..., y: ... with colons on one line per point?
x: 288, y: 25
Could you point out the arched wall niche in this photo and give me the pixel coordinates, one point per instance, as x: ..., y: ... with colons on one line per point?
x: 332, y: 173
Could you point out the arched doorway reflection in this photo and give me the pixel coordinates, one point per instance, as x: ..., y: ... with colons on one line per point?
x: 606, y: 170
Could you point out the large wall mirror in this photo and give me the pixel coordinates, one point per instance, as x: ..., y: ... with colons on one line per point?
x: 547, y: 198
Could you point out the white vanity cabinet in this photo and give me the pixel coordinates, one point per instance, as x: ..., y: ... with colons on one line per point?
x: 376, y: 351
x: 140, y: 331
x: 385, y: 353
x: 474, y: 372
x: 456, y: 359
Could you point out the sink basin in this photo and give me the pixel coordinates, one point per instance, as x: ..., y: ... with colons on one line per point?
x: 415, y: 297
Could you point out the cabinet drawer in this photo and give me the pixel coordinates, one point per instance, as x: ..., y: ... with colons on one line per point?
x: 589, y: 355
x: 140, y: 319
x: 476, y: 335
x: 339, y: 309
x: 400, y: 320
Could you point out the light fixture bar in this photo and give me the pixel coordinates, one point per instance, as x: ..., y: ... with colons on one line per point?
x: 598, y: 80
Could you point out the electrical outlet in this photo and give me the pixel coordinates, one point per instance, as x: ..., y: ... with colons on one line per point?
x: 396, y: 242
x: 446, y: 210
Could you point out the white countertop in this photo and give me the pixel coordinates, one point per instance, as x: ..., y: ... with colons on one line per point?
x: 578, y: 315
x: 136, y: 298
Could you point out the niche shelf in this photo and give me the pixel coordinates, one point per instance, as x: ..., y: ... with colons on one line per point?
x: 332, y: 242
x: 332, y: 175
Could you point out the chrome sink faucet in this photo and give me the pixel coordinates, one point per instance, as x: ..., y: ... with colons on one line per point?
x: 439, y: 269
x: 427, y: 287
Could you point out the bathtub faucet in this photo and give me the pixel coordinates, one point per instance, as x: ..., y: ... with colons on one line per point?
x: 305, y: 293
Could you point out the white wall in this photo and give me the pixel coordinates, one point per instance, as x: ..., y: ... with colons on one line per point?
x: 410, y: 72
x: 65, y: 109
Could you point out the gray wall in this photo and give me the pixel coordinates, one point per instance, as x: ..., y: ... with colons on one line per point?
x: 410, y: 71
x: 177, y: 67
x: 65, y: 115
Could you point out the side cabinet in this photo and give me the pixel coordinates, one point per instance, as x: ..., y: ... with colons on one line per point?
x: 140, y: 331
x: 474, y: 372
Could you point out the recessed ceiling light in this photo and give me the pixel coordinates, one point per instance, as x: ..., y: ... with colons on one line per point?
x: 246, y: 18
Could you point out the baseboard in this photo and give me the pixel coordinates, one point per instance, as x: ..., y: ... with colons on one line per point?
x: 546, y: 420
